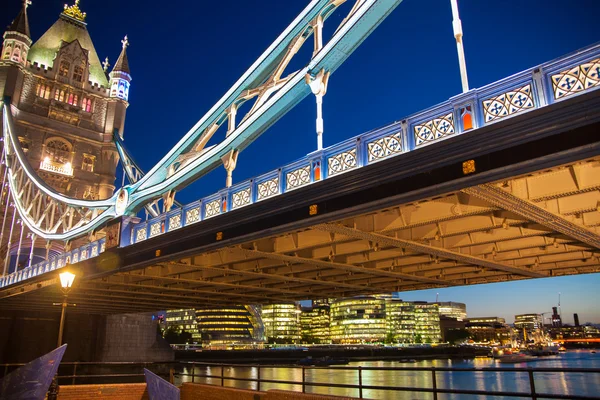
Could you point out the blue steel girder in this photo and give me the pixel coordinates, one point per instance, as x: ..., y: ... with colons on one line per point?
x: 363, y: 19
x: 163, y: 178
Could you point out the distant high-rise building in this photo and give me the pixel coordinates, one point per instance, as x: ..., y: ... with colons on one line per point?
x: 556, y: 321
x: 452, y: 309
x: 576, y: 319
x: 528, y: 321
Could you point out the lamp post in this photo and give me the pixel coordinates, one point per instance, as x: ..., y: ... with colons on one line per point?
x: 66, y: 282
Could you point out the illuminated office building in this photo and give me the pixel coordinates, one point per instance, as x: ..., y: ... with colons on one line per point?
x: 281, y: 323
x: 400, y: 316
x: 358, y: 320
x: 489, y: 329
x: 452, y: 309
x: 229, y: 325
x: 529, y: 321
x: 427, y: 323
x: 315, y: 324
x: 183, y: 320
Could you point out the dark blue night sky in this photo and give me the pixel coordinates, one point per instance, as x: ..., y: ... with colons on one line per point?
x: 185, y: 55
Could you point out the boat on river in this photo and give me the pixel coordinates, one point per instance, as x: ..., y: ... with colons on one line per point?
x: 516, y: 358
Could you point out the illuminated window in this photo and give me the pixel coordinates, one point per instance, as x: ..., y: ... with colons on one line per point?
x: 58, y: 150
x: 7, y: 51
x: 59, y: 95
x: 86, y: 104
x: 24, y: 144
x: 64, y: 68
x: 467, y: 118
x: 78, y: 73
x: 88, y: 163
x: 43, y: 91
x: 73, y: 99
x: 17, y: 54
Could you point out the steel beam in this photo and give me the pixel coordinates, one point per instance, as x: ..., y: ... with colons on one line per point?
x: 501, y: 198
x: 426, y: 249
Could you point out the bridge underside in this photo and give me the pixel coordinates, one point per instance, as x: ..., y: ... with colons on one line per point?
x: 530, y: 209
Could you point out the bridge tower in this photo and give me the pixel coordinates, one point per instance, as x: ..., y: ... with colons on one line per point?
x: 64, y: 111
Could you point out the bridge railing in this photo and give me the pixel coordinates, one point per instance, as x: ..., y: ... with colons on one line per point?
x: 354, y: 380
x: 528, y: 90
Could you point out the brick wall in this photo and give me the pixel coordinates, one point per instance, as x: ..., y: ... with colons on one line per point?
x: 132, y: 391
x: 195, y: 391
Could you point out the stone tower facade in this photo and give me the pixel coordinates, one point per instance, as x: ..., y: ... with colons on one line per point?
x: 65, y: 105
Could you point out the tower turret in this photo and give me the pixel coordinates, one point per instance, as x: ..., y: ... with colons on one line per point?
x: 17, y: 38
x: 120, y: 77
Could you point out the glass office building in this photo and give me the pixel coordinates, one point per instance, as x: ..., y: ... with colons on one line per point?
x: 358, y: 320
x: 315, y: 323
x: 229, y: 326
x: 281, y: 323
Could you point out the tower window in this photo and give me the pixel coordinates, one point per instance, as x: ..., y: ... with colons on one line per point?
x: 88, y: 163
x: 64, y: 68
x: 86, y: 104
x: 73, y: 99
x: 43, y: 91
x: 17, y: 54
x: 7, y: 50
x: 78, y: 73
x: 58, y: 150
x: 59, y: 95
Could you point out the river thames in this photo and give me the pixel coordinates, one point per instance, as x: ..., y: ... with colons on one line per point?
x: 569, y: 383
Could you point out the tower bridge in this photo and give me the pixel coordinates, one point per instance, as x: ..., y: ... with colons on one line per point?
x: 498, y: 183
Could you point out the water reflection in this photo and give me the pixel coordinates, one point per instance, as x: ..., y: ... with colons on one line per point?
x: 584, y: 384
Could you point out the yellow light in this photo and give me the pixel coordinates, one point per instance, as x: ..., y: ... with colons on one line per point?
x: 66, y: 279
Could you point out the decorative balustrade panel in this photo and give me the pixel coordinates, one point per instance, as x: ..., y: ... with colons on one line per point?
x: 577, y: 79
x: 342, y: 162
x: 383, y: 147
x: 268, y: 188
x: 297, y: 178
x: 212, y: 208
x: 508, y: 103
x: 174, y: 222
x: 434, y: 129
x: 192, y: 215
x: 240, y: 198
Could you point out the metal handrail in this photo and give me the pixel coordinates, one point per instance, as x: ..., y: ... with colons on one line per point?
x: 532, y: 394
x: 360, y: 387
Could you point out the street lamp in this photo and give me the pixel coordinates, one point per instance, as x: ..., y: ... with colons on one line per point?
x: 66, y: 282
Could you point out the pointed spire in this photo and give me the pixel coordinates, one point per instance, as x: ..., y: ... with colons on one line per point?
x: 21, y: 23
x: 122, y: 63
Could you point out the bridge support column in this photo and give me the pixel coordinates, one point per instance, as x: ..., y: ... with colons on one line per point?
x: 12, y: 225
x: 33, y: 237
x: 229, y: 162
x: 318, y: 85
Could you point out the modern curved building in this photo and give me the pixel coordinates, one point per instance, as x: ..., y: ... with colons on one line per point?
x: 229, y: 326
x: 358, y: 320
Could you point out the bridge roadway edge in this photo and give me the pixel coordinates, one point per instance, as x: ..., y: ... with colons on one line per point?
x: 560, y: 133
